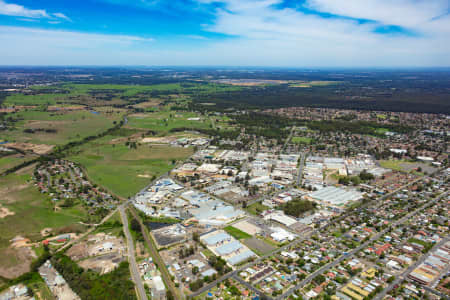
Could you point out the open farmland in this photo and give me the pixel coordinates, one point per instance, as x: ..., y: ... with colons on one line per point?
x: 163, y: 122
x: 32, y: 100
x: 122, y: 170
x: 56, y: 128
x: 31, y: 213
x: 7, y: 162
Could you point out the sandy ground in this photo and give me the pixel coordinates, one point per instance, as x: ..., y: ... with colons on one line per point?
x: 19, y: 242
x: 23, y: 256
x: 4, y: 212
x: 46, y: 231
x: 161, y: 140
x: 144, y: 176
x: 102, y: 264
x: 78, y: 251
x: 66, y: 108
x: 36, y: 148
x: 247, y: 227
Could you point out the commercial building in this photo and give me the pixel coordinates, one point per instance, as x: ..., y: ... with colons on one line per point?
x: 158, y: 289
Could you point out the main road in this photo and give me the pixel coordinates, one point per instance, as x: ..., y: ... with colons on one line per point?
x: 157, y: 258
x: 300, y: 168
x: 131, y: 256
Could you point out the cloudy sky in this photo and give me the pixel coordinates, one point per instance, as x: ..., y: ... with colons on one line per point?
x: 291, y: 33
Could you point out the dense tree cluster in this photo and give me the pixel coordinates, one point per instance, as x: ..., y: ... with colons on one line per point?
x: 219, y: 264
x: 91, y: 285
x: 297, y: 207
x: 357, y: 127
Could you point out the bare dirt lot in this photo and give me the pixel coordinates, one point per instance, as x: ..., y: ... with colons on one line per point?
x: 158, y: 140
x: 4, y: 212
x: 168, y: 235
x: 258, y: 245
x: 102, y: 264
x: 16, y: 261
x: 36, y: 148
x: 414, y: 166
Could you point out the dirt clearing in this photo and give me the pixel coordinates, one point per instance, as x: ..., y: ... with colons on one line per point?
x: 36, y: 148
x: 4, y: 212
x: 258, y: 246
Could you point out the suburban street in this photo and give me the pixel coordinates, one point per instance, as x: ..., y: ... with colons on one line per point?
x: 354, y: 251
x: 131, y: 256
x: 287, y: 246
x: 405, y: 274
x: 250, y: 287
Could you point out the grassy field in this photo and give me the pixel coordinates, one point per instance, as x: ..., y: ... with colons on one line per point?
x: 394, y: 164
x: 122, y: 170
x: 256, y: 208
x: 31, y: 100
x: 381, y: 131
x: 301, y: 140
x: 33, y: 212
x: 408, y: 166
x: 133, y: 90
x: 69, y: 126
x: 113, y: 226
x: 72, y: 91
x: 236, y: 233
x: 126, y: 90
x: 10, y: 161
x: 93, y: 94
x: 163, y: 122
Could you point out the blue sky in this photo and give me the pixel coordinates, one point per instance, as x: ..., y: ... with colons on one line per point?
x: 291, y: 33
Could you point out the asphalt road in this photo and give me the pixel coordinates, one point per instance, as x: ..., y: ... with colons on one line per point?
x: 300, y: 168
x: 436, y: 292
x: 131, y: 257
x: 157, y: 258
x: 337, y: 261
x: 288, y: 138
x: 316, y: 231
x: 250, y: 287
x: 86, y: 233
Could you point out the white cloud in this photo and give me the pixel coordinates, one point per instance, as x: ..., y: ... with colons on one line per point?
x: 408, y: 13
x: 16, y: 10
x: 195, y: 37
x: 54, y: 47
x: 62, y: 16
x: 262, y: 35
x: 289, y: 37
x: 21, y: 11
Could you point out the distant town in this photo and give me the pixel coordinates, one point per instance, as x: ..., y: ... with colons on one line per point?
x: 161, y: 189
